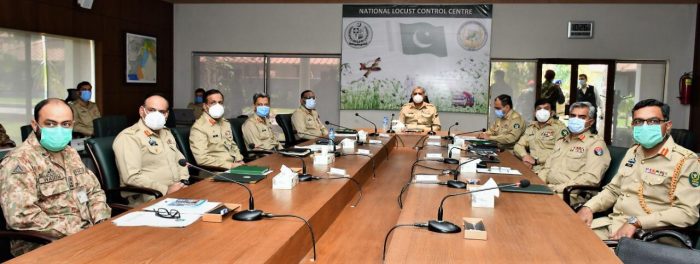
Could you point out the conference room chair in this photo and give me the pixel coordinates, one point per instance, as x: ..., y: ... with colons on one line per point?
x: 7, y: 234
x: 100, y: 149
x: 616, y: 156
x: 182, y: 138
x: 109, y: 126
x: 25, y: 130
x: 237, y: 130
x: 644, y: 251
x: 285, y: 122
x: 3, y: 154
x: 683, y: 137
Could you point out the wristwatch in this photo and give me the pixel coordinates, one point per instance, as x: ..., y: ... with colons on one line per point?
x: 632, y: 220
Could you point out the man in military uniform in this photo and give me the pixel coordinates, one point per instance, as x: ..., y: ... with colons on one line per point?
x: 197, y: 105
x: 579, y: 158
x: 305, y: 119
x: 84, y: 111
x: 509, y: 125
x: 147, y: 155
x: 211, y: 140
x: 535, y: 146
x: 44, y: 185
x: 257, y: 129
x: 5, y: 141
x: 657, y: 186
x: 419, y: 112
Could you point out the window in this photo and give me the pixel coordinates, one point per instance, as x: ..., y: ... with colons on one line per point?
x: 283, y: 77
x: 517, y: 79
x: 35, y: 67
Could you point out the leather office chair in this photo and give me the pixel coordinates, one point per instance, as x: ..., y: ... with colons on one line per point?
x: 639, y: 251
x: 285, y: 122
x: 616, y: 155
x: 683, y: 137
x: 108, y: 126
x: 102, y: 154
x: 3, y: 154
x: 7, y: 234
x: 25, y: 130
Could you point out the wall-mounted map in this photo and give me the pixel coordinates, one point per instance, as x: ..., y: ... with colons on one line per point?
x: 141, y: 63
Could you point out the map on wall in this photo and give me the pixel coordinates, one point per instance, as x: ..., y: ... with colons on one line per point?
x: 141, y: 63
x: 387, y: 50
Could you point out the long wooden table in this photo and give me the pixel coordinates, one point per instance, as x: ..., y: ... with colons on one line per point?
x: 521, y: 228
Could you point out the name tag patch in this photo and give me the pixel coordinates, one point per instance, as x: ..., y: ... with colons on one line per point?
x: 50, y: 176
x: 578, y: 149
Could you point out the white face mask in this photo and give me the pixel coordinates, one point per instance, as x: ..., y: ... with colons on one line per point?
x: 542, y: 115
x: 154, y: 120
x: 216, y: 111
x: 582, y: 83
x: 418, y: 98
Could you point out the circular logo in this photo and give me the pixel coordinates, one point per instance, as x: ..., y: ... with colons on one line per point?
x: 358, y: 34
x: 472, y: 36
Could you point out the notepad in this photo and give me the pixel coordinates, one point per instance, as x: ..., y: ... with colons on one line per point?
x: 252, y: 170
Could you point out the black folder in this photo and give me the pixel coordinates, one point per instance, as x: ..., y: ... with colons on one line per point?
x: 533, y: 188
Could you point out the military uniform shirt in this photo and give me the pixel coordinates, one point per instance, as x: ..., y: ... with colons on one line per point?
x: 420, y: 117
x: 507, y: 130
x: 646, y: 183
x: 212, y: 144
x: 307, y: 122
x: 258, y: 131
x: 55, y: 197
x: 198, y: 109
x: 83, y: 116
x: 540, y: 141
x: 576, y: 160
x: 147, y: 159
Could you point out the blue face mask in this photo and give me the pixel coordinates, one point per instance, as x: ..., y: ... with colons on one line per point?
x: 262, y: 111
x: 310, y: 103
x: 198, y: 100
x: 85, y: 95
x: 648, y: 135
x: 499, y: 113
x: 576, y: 125
x: 55, y: 139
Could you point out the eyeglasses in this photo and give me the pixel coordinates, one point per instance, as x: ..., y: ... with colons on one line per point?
x: 164, y: 213
x: 650, y: 121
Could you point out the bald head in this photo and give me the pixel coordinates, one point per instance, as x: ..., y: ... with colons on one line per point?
x: 154, y: 103
x: 52, y: 112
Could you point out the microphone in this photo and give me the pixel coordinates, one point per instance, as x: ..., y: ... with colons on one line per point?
x: 303, y: 176
x: 337, y: 154
x: 440, y: 226
x: 464, y: 133
x: 449, y: 159
x: 246, y: 215
x: 391, y: 126
x: 329, y: 123
x: 449, y: 136
x: 375, y: 125
x: 431, y: 132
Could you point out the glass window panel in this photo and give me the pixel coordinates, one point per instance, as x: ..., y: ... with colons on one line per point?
x: 598, y: 78
x: 517, y: 79
x: 563, y: 73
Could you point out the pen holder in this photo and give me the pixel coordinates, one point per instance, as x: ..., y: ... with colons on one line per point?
x: 217, y: 214
x: 474, y: 228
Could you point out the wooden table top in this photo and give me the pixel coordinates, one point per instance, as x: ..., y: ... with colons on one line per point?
x: 521, y: 228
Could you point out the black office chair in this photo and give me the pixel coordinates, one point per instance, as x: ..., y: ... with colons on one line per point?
x: 616, y: 156
x: 26, y: 131
x: 285, y: 122
x: 237, y: 130
x: 102, y: 154
x: 639, y: 251
x: 683, y: 137
x: 7, y: 234
x: 108, y: 126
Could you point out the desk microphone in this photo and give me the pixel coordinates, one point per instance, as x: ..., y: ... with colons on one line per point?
x: 246, y: 215
x: 449, y: 159
x: 329, y: 123
x: 303, y: 176
x: 464, y: 133
x: 391, y: 125
x: 440, y: 226
x: 431, y: 132
x: 375, y: 125
x: 449, y: 136
x: 337, y: 154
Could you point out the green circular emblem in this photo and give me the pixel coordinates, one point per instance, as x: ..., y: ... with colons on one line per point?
x: 516, y: 126
x: 564, y: 132
x: 694, y: 179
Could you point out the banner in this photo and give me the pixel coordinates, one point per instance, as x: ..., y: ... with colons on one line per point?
x: 388, y: 50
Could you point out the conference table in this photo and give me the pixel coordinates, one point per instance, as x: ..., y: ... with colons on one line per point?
x: 530, y: 228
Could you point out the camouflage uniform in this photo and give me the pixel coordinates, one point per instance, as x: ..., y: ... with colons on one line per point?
x: 83, y: 116
x: 212, y: 143
x: 40, y: 193
x: 308, y: 122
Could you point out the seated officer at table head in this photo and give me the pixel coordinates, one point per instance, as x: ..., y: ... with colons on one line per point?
x: 306, y: 120
x: 657, y: 186
x: 535, y: 146
x: 84, y: 111
x: 257, y: 129
x: 147, y: 155
x: 211, y: 139
x: 579, y: 157
x: 197, y: 105
x: 419, y: 112
x: 44, y: 185
x: 509, y: 125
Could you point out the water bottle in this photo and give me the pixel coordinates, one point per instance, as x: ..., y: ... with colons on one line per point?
x: 331, y: 135
x: 385, y: 124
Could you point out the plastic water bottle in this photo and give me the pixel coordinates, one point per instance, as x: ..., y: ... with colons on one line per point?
x: 331, y: 135
x: 385, y: 124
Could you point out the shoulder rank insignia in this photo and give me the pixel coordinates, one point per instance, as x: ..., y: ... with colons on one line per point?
x: 516, y: 126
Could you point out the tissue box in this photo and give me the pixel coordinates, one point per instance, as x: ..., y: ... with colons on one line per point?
x: 320, y: 159
x: 283, y: 182
x: 474, y: 228
x: 217, y: 214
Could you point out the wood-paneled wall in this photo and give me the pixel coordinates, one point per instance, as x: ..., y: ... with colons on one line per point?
x: 106, y: 23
